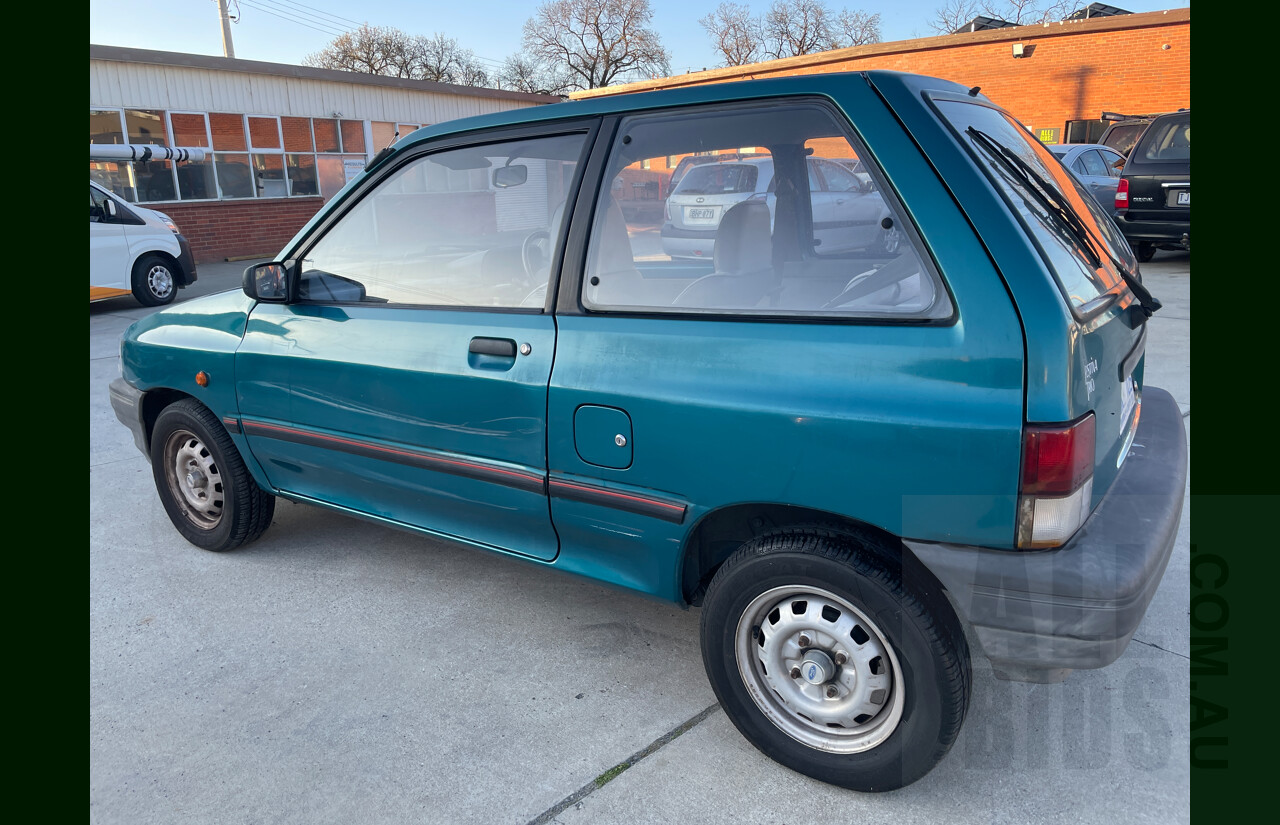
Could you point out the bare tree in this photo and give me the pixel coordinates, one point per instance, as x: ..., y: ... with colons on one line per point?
x: 441, y: 59
x: 788, y: 29
x: 956, y: 13
x: 953, y: 14
x: 1027, y: 12
x: 522, y: 73
x: 369, y: 50
x: 735, y: 33
x: 795, y: 27
x: 597, y: 42
x: 389, y: 51
x: 855, y: 28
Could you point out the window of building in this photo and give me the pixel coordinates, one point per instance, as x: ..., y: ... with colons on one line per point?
x: 326, y: 135
x: 1085, y: 131
x: 252, y: 156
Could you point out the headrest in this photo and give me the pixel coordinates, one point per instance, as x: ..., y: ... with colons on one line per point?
x: 743, y: 241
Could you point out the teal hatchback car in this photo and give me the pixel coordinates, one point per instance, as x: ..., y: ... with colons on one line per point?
x: 847, y: 457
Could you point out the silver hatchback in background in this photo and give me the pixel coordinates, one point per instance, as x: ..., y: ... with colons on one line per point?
x: 848, y: 212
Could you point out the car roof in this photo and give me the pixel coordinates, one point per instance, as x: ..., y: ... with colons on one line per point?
x: 619, y: 104
x: 1064, y: 148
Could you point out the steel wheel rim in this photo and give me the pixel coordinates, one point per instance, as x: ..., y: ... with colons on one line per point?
x: 195, y: 482
x: 858, y: 708
x: 160, y: 281
x: 892, y: 238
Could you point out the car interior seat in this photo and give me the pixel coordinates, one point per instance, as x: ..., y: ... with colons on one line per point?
x: 743, y: 260
x: 612, y: 277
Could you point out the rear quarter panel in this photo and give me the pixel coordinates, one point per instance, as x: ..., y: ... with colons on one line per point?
x: 915, y: 429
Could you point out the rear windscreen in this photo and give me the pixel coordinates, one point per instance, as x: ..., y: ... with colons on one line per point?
x: 1079, y: 241
x: 1167, y: 139
x: 1121, y: 138
x: 718, y: 179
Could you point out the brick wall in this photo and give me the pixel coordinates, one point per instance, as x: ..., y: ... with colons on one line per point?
x: 229, y: 229
x: 1075, y: 71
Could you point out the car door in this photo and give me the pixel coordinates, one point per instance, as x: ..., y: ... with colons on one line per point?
x: 1090, y: 167
x: 854, y: 210
x: 109, y: 259
x: 407, y: 378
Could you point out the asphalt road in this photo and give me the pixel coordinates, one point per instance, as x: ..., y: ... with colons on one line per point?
x: 339, y: 671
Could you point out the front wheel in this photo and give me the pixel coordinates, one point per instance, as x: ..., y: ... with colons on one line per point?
x: 154, y: 283
x: 830, y: 661
x: 202, y: 480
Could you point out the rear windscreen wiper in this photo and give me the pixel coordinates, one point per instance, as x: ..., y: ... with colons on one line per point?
x: 1050, y: 200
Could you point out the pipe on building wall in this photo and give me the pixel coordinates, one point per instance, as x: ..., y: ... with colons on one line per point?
x: 120, y: 152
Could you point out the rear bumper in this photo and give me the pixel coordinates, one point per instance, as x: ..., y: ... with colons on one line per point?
x: 186, y: 263
x: 1162, y: 232
x: 688, y: 243
x: 1038, y: 615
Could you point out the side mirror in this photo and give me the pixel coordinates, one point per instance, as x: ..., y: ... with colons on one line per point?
x: 267, y: 282
x: 504, y: 177
x: 110, y: 207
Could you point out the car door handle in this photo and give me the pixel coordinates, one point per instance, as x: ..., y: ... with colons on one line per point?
x: 501, y: 347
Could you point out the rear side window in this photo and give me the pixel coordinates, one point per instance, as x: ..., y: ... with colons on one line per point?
x: 1092, y: 163
x: 755, y: 233
x: 1167, y: 139
x: 1080, y: 243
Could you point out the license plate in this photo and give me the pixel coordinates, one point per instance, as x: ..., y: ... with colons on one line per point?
x: 701, y: 214
x: 1184, y: 199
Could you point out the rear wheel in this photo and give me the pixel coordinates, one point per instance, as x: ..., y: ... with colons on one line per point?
x: 833, y: 663
x: 203, y: 482
x: 154, y: 283
x: 1145, y: 251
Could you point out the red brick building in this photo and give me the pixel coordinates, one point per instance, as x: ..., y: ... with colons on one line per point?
x: 1069, y: 71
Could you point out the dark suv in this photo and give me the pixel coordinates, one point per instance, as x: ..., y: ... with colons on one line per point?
x: 1153, y: 200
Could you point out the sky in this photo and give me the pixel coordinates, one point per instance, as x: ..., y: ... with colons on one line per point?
x: 286, y: 31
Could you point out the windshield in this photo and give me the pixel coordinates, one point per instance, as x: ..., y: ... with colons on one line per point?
x: 1079, y: 241
x: 718, y: 179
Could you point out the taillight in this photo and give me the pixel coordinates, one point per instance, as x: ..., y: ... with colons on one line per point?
x: 1056, y: 492
x: 1122, y: 194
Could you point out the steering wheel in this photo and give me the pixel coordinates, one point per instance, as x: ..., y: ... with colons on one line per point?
x: 535, y: 254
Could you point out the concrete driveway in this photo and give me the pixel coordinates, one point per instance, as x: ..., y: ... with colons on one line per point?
x: 338, y: 671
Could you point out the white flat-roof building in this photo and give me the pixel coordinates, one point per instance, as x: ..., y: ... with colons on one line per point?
x: 280, y: 139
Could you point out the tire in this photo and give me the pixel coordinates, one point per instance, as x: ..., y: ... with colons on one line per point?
x: 885, y: 700
x: 889, y: 242
x: 1145, y: 251
x: 203, y: 482
x: 154, y: 281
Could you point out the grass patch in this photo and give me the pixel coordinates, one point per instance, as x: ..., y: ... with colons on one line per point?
x: 610, y: 775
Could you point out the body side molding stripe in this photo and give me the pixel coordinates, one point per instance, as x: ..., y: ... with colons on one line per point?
x: 644, y: 505
x: 522, y: 480
x: 518, y: 479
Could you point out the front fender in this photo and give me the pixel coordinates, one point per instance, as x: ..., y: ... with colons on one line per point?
x: 166, y: 350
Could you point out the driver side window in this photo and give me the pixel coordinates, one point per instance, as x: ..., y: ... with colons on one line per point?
x: 475, y: 226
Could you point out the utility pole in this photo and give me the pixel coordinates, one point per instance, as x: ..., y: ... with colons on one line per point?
x: 228, y: 48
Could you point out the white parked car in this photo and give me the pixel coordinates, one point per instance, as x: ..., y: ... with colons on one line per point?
x: 135, y: 250
x: 848, y: 212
